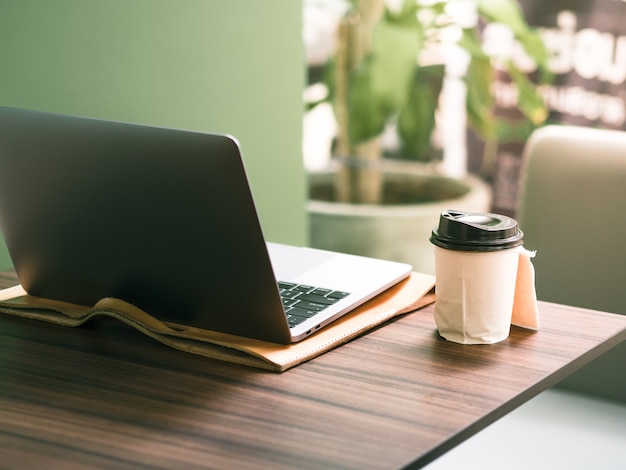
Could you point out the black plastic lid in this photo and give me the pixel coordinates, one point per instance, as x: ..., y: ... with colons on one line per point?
x: 466, y: 231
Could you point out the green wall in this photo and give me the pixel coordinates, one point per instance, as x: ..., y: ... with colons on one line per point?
x: 231, y: 66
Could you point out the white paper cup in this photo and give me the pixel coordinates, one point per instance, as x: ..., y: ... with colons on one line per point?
x: 475, y: 293
x: 476, y: 258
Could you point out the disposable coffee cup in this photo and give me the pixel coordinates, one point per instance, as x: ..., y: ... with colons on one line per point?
x: 476, y: 260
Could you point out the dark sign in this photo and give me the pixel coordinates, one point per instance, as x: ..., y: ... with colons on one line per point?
x: 586, y: 40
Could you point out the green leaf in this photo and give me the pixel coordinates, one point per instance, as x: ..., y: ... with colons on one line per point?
x: 406, y: 16
x: 417, y: 118
x: 368, y: 110
x: 380, y: 85
x: 514, y: 130
x: 480, y: 101
x: 530, y: 102
x: 395, y: 56
x: 471, y: 42
x: 535, y: 47
x: 507, y: 12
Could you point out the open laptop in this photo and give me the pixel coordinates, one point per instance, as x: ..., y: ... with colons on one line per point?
x: 163, y: 219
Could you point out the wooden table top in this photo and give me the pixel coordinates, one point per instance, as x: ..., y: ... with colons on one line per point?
x: 105, y: 396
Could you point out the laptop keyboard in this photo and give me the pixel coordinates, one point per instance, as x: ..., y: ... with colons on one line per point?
x: 302, y: 302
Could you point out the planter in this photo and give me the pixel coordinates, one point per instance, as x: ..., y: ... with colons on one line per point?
x: 399, y: 229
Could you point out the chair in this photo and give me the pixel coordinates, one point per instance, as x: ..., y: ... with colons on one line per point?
x: 572, y: 211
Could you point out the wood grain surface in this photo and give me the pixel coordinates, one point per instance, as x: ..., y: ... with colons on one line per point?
x: 105, y: 396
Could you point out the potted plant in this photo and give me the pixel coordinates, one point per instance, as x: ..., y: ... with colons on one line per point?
x: 391, y: 62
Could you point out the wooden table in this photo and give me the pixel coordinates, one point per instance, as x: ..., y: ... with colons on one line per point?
x: 103, y: 395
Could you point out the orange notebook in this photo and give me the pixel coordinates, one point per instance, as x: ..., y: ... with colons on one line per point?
x: 410, y: 294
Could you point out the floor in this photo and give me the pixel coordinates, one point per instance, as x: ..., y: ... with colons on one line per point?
x: 555, y: 430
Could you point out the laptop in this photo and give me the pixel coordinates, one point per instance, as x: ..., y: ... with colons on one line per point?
x: 163, y: 219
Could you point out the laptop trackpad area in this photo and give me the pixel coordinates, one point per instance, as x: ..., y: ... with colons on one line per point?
x: 291, y: 262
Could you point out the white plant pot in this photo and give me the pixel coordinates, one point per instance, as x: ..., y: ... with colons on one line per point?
x: 398, y: 231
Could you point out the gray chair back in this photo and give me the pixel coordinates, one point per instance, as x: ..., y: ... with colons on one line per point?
x: 573, y: 212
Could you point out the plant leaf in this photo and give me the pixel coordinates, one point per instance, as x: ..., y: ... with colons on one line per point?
x: 417, y: 118
x: 535, y: 47
x: 507, y: 12
x: 367, y: 110
x: 529, y: 101
x: 480, y: 101
x: 470, y: 41
x: 379, y: 86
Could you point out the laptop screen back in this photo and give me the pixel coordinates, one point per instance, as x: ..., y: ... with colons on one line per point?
x: 158, y: 217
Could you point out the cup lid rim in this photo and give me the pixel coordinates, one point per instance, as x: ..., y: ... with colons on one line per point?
x: 467, y: 231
